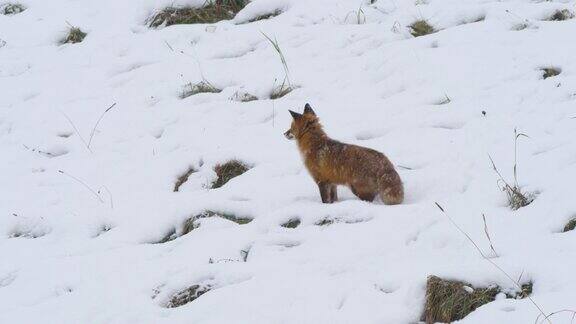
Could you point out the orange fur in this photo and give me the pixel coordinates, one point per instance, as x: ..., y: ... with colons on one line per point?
x: 330, y: 163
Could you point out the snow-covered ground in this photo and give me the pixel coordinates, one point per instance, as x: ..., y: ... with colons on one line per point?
x: 371, y: 84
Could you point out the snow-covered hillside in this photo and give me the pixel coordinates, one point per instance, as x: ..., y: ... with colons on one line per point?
x: 86, y: 195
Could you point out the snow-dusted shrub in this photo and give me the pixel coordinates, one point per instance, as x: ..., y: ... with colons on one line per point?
x: 549, y: 72
x: 211, y: 12
x: 243, y: 96
x: 75, y: 35
x: 191, y: 89
x: 560, y: 15
x: 183, y: 178
x: 450, y: 300
x: 291, y: 223
x: 420, y: 28
x: 281, y: 90
x: 193, y: 223
x: 517, y: 198
x: 10, y: 9
x: 570, y: 226
x: 226, y: 171
x: 269, y: 15
x: 187, y: 295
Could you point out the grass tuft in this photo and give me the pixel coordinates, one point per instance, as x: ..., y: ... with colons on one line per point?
x: 10, y: 9
x: 420, y: 28
x: 211, y: 12
x: 281, y: 91
x: 325, y: 222
x: 192, y: 223
x: 183, y: 178
x: 243, y: 97
x: 292, y: 223
x: 516, y: 197
x: 561, y: 15
x: 75, y: 35
x: 549, y: 72
x: 191, y: 89
x: 225, y: 172
x: 187, y: 295
x: 448, y: 300
x: 273, y: 14
x: 570, y: 226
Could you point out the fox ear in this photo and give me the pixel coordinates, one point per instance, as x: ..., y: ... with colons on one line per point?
x: 295, y: 115
x: 308, y: 110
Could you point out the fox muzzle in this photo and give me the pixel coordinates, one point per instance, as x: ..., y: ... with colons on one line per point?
x: 289, y: 135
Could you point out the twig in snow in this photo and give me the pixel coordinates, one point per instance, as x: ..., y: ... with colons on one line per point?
x: 83, y: 184
x: 98, y: 122
x: 76, y: 130
x: 109, y: 195
x: 488, y: 236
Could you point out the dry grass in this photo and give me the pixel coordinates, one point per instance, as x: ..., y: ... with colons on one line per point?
x: 292, y: 223
x: 75, y: 35
x: 10, y: 9
x: 420, y: 28
x: 570, y: 226
x: 549, y: 72
x: 281, y: 91
x: 243, y: 97
x: 273, y: 14
x: 325, y: 222
x: 211, y: 12
x: 516, y: 197
x: 191, y: 89
x: 192, y: 223
x: 561, y: 15
x: 448, y: 301
x: 183, y: 178
x: 187, y: 295
x: 227, y: 171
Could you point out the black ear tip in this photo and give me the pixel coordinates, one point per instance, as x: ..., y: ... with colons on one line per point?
x: 294, y: 114
x: 308, y: 109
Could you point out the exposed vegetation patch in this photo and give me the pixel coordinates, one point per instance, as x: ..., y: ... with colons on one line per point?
x: 443, y: 101
x: 273, y: 14
x: 104, y: 228
x: 183, y: 178
x: 187, y: 295
x: 30, y: 232
x: 227, y: 171
x: 292, y: 223
x: 10, y: 9
x: 472, y: 20
x: 193, y: 223
x: 420, y: 28
x: 325, y: 222
x: 243, y: 96
x: 570, y: 226
x: 561, y: 15
x: 75, y: 35
x: 517, y: 198
x: 281, y: 91
x: 211, y: 12
x: 549, y: 72
x: 191, y: 89
x: 448, y: 301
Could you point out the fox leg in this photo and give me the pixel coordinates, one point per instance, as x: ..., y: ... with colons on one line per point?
x: 333, y: 193
x: 324, y: 192
x: 363, y: 194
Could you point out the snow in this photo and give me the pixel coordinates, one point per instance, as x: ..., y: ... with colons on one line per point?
x: 371, y: 84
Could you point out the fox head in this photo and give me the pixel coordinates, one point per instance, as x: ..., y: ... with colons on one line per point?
x: 301, y: 123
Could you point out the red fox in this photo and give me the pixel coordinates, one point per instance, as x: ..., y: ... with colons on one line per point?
x: 367, y: 172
